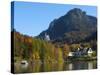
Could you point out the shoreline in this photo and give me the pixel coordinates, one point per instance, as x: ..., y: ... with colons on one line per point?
x: 81, y: 59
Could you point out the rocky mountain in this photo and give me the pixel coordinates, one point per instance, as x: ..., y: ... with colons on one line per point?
x: 74, y: 26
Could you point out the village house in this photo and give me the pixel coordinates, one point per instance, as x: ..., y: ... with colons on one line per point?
x: 70, y: 54
x: 81, y: 52
x: 90, y: 52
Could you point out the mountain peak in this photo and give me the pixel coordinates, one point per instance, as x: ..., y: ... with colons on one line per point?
x: 72, y: 26
x: 76, y: 12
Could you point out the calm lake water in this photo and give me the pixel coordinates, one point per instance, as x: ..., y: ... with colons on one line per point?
x: 47, y: 67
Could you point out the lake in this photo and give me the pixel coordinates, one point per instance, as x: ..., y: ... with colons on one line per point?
x: 47, y: 67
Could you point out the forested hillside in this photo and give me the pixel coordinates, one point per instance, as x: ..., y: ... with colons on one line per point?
x: 34, y: 49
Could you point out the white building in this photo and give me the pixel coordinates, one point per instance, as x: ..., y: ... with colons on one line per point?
x: 70, y: 54
x: 90, y: 52
x: 78, y: 49
x: 47, y: 38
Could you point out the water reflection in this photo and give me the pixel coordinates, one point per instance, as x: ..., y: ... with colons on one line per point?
x: 70, y: 66
x: 46, y: 67
x: 80, y: 65
x: 90, y: 65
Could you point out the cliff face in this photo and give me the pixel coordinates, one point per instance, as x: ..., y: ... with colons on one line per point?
x: 74, y: 26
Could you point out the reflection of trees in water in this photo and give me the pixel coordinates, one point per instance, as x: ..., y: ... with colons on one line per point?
x: 52, y: 67
x: 90, y: 65
x: 58, y: 66
x: 95, y: 64
x: 34, y: 67
x: 47, y: 67
x: 70, y: 66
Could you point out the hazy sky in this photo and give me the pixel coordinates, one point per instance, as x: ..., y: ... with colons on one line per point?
x: 32, y: 18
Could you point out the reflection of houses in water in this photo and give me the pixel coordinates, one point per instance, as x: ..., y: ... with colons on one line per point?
x: 81, y: 52
x: 90, y: 65
x: 70, y: 66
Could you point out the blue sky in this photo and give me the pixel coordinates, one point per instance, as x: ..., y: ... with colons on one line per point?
x: 32, y: 18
